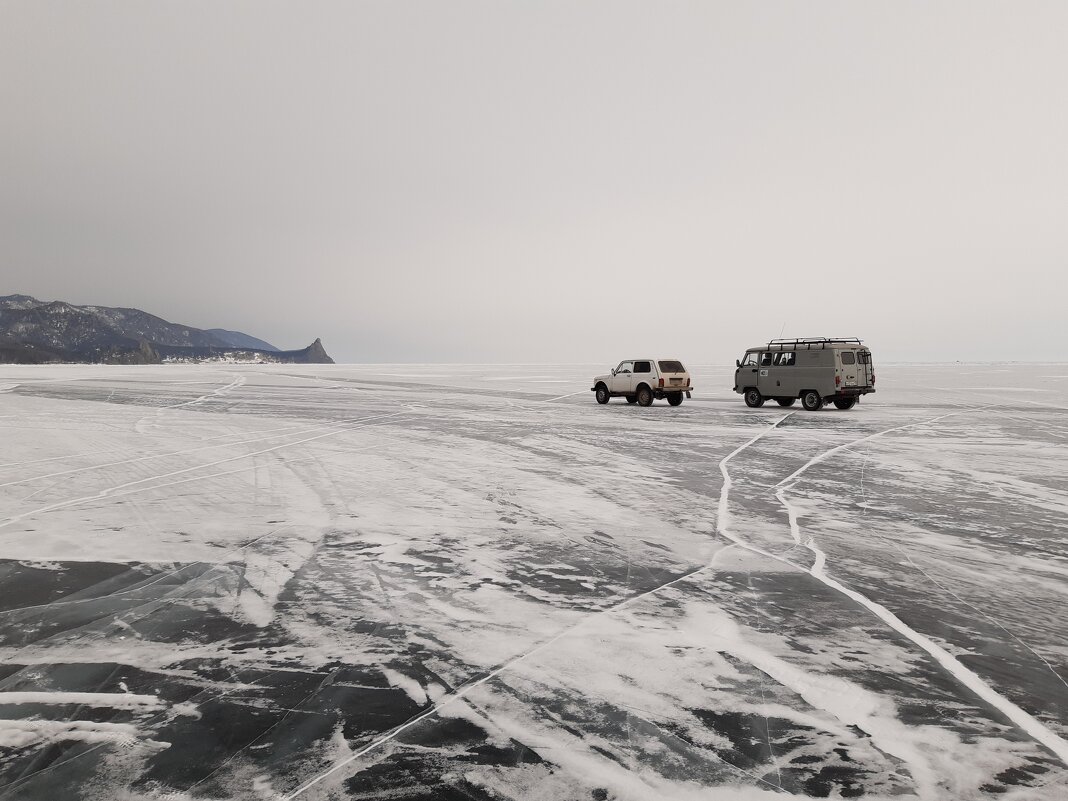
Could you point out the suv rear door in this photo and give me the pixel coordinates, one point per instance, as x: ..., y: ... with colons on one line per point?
x: 673, y: 373
x: 643, y: 373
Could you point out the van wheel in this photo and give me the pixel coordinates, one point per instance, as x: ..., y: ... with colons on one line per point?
x: 812, y: 401
x: 845, y: 403
x: 602, y: 394
x: 785, y: 401
x: 645, y: 396
x: 632, y: 398
x: 675, y: 398
x: 753, y: 399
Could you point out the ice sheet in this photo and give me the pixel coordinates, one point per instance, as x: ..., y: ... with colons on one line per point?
x: 414, y: 581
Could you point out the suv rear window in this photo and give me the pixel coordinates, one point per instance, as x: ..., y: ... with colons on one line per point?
x: 669, y: 366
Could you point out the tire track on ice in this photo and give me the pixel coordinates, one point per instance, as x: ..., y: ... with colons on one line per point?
x: 115, y: 489
x: 287, y: 431
x: 1025, y: 721
x: 140, y: 426
x: 108, y: 451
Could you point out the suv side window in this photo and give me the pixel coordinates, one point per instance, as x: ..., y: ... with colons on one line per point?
x: 642, y: 367
x: 625, y: 367
x: 848, y: 357
x: 785, y: 358
x: 765, y: 359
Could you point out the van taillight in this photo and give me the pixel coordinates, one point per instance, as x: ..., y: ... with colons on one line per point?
x: 661, y: 382
x: 838, y: 380
x: 873, y: 378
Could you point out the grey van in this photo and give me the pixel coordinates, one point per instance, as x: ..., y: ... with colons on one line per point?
x: 816, y: 370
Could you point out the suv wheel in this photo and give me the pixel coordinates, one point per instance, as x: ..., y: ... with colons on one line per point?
x: 785, y: 401
x: 602, y: 394
x: 812, y: 401
x: 645, y: 396
x: 753, y: 399
x: 845, y: 403
x: 675, y: 398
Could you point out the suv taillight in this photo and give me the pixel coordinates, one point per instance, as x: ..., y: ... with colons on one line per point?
x: 661, y: 382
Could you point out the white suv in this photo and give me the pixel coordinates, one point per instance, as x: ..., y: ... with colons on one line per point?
x: 642, y: 380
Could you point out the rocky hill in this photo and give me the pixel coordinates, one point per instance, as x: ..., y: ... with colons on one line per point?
x: 34, y: 332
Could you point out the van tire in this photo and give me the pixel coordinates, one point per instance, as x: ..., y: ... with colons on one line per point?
x: 675, y: 398
x: 753, y: 398
x: 785, y: 401
x: 632, y: 398
x: 845, y: 403
x: 645, y: 396
x: 603, y: 396
x: 811, y: 400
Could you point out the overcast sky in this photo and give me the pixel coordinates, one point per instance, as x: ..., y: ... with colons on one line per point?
x: 546, y: 181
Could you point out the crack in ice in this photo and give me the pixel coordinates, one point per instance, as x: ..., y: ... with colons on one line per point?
x: 1027, y: 722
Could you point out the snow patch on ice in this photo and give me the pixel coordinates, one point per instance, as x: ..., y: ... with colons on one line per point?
x: 113, y: 700
x: 411, y: 687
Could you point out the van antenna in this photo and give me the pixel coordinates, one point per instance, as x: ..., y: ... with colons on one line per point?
x: 782, y: 329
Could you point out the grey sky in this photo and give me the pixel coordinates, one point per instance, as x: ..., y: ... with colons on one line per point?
x: 543, y: 181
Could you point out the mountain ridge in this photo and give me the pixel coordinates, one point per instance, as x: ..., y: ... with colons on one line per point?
x: 34, y: 331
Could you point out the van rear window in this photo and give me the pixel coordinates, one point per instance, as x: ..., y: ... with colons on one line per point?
x: 848, y: 358
x: 669, y: 366
x: 864, y: 357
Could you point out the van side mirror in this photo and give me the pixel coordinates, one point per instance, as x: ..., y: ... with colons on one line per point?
x: 737, y: 362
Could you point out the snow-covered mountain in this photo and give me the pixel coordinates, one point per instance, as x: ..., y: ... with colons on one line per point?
x: 34, y: 331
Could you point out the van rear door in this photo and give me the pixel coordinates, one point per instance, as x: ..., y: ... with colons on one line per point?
x: 866, y: 372
x: 848, y: 368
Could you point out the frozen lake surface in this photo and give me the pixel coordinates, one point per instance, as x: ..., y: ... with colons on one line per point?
x: 457, y: 582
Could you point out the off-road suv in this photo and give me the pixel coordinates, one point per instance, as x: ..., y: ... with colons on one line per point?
x: 643, y: 380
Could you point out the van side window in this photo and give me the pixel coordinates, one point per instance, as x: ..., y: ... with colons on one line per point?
x: 785, y: 359
x: 750, y: 360
x: 765, y: 359
x: 642, y: 367
x: 848, y: 358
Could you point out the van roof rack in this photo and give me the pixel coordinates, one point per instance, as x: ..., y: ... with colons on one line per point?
x: 809, y: 343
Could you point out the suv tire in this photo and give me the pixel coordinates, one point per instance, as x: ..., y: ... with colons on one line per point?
x: 675, y: 398
x: 645, y: 396
x: 603, y: 395
x: 811, y: 400
x: 785, y: 401
x: 753, y: 399
x: 845, y: 403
